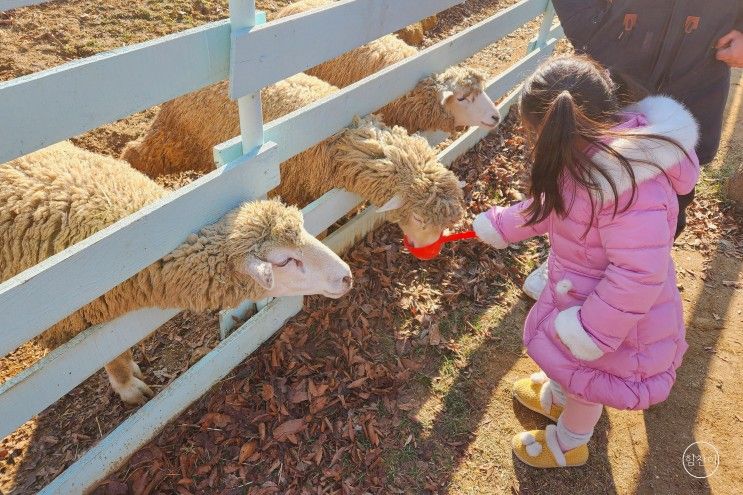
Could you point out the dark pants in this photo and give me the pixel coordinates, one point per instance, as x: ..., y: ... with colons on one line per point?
x: 684, y: 202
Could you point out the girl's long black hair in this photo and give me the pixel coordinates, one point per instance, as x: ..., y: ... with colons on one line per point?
x: 572, y: 103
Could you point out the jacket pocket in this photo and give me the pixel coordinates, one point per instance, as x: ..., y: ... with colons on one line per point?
x: 695, y: 62
x: 630, y: 37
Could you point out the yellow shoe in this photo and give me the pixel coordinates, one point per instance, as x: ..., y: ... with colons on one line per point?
x: 540, y: 449
x: 534, y: 393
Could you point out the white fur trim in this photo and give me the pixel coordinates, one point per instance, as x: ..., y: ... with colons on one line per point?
x: 554, y: 446
x: 573, y: 335
x: 539, y: 377
x: 534, y: 449
x: 527, y: 438
x: 536, y: 281
x: 666, y: 117
x: 563, y: 286
x: 545, y: 397
x: 487, y: 232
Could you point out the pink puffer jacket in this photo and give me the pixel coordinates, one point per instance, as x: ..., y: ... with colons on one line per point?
x: 609, y: 325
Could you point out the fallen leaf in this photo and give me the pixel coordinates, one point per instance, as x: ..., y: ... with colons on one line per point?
x: 215, y: 420
x: 287, y: 428
x: 357, y: 383
x: 247, y: 450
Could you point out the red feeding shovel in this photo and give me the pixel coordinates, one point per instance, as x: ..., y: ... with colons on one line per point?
x: 432, y: 250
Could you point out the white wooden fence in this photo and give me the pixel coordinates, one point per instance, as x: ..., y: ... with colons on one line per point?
x: 46, y: 107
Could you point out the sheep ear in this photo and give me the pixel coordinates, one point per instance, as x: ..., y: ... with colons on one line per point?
x: 260, y: 271
x: 394, y: 203
x: 444, y: 96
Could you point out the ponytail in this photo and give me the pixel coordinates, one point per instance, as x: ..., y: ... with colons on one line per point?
x: 553, y: 151
x: 574, y: 103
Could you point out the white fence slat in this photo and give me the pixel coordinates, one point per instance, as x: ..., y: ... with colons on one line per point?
x: 49, y: 106
x: 227, y: 322
x: 344, y: 238
x: 280, y: 49
x: 313, y: 123
x: 88, y: 269
x: 136, y: 430
x: 328, y: 208
x: 37, y: 387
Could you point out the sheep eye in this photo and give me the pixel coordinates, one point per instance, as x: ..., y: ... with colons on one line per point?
x: 462, y: 98
x: 285, y: 262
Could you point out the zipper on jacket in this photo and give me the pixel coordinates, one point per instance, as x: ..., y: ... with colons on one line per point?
x: 660, y: 50
x: 690, y: 25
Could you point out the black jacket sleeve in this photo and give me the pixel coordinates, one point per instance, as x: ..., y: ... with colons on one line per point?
x: 578, y: 17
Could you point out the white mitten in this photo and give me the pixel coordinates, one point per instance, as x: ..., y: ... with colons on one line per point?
x: 487, y: 232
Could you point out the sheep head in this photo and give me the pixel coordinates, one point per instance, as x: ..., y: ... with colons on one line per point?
x: 459, y: 100
x: 402, y: 174
x: 267, y: 242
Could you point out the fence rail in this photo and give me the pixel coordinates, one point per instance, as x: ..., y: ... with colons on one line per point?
x: 139, y: 76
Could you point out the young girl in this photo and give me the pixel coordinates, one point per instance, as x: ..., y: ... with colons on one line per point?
x: 608, y: 329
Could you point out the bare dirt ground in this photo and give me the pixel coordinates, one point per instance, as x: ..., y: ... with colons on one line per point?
x: 403, y: 386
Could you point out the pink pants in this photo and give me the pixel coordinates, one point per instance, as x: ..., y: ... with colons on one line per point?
x: 580, y: 416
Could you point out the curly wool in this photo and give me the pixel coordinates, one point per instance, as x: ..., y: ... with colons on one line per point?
x: 378, y: 162
x: 358, y: 63
x: 187, y: 128
x: 58, y: 196
x: 415, y: 34
x: 421, y: 108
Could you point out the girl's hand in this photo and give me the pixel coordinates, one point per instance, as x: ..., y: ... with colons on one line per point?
x: 730, y: 49
x: 487, y: 232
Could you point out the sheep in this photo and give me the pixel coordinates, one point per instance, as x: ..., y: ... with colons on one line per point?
x: 60, y: 195
x: 414, y: 34
x: 445, y: 102
x: 375, y: 161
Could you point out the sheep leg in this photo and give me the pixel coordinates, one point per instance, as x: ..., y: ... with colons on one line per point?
x: 125, y: 377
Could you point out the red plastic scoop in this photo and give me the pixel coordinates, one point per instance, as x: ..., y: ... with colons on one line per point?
x: 432, y: 250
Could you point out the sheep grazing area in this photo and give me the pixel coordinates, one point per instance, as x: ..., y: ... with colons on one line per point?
x: 402, y: 386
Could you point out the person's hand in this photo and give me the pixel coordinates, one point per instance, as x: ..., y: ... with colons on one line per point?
x: 730, y: 49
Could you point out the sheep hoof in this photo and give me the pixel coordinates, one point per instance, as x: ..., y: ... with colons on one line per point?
x: 135, y: 391
x: 136, y: 371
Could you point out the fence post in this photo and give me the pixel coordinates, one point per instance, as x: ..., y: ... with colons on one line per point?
x: 243, y: 16
x: 544, y: 29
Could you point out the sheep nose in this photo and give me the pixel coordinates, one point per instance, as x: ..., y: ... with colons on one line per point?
x: 495, y: 118
x: 347, y: 281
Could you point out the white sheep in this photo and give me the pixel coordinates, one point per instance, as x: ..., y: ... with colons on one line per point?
x: 384, y: 165
x: 60, y: 195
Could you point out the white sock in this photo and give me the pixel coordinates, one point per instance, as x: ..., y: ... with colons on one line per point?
x: 569, y: 440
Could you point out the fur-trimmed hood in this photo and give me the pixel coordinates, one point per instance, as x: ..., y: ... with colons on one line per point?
x: 654, y: 115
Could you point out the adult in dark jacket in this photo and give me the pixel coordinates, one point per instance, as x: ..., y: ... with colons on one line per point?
x: 680, y: 48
